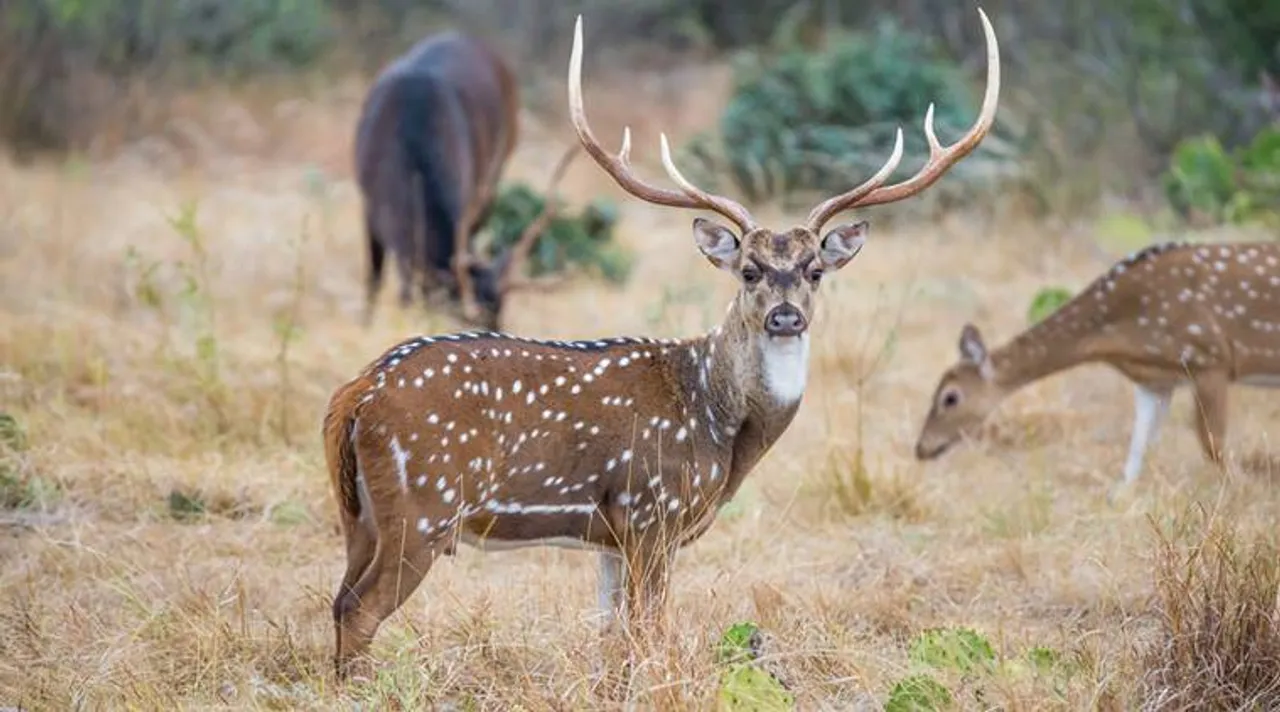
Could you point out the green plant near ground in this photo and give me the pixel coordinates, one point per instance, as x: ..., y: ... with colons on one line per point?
x: 1047, y: 301
x: 804, y: 122
x: 1206, y: 182
x: 189, y: 341
x: 967, y: 653
x: 918, y: 693
x: 746, y: 682
x: 20, y: 488
x: 583, y: 240
x: 962, y: 649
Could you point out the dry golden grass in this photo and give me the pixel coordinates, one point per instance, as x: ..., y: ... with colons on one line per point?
x: 139, y: 395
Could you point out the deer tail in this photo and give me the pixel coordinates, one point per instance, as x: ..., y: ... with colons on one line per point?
x: 340, y: 447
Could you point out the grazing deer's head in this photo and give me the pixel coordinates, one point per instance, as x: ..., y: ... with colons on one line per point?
x: 494, y: 280
x: 965, y: 396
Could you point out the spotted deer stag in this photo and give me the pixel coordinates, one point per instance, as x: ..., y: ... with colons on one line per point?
x: 435, y: 132
x: 1168, y: 316
x: 624, y: 446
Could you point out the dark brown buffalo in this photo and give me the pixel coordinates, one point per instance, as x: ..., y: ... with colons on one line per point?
x: 435, y: 132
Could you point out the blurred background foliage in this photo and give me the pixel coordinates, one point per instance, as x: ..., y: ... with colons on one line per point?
x: 583, y: 239
x: 1159, y: 100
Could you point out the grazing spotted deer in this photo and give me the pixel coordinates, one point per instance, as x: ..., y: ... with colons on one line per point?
x: 1170, y: 315
x: 625, y: 446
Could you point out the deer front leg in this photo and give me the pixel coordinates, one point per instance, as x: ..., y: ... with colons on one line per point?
x: 1150, y: 406
x: 647, y: 577
x: 610, y: 588
x: 1211, y: 412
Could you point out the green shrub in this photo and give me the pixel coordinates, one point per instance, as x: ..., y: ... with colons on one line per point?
x: 1047, y: 301
x: 817, y: 122
x: 1206, y: 182
x: 583, y: 240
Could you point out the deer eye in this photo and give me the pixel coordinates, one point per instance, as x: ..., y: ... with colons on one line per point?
x: 815, y: 275
x: 950, y: 399
x: 751, y: 274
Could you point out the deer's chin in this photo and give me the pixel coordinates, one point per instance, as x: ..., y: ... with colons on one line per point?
x: 925, y: 454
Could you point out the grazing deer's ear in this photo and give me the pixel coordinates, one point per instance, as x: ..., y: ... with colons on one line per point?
x: 973, y: 350
x: 843, y: 243
x: 717, y: 243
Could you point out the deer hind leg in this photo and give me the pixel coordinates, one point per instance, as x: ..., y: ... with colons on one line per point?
x: 1150, y: 407
x: 400, y: 562
x: 1211, y: 412
x: 362, y: 544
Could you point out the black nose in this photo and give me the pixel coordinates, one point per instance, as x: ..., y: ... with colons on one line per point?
x: 785, y: 320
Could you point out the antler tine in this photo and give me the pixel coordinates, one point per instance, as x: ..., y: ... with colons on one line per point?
x: 728, y: 208
x: 619, y: 166
x: 519, y: 253
x: 941, y: 158
x: 824, y: 210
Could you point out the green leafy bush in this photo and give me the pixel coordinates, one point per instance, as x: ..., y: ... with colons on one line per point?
x: 1206, y: 182
x: 583, y: 240
x: 1047, y: 301
x: 818, y: 122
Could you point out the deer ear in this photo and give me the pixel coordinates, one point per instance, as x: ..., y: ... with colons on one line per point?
x: 843, y: 243
x: 973, y: 350
x: 717, y: 243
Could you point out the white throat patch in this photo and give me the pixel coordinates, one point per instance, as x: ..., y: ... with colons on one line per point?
x: 785, y: 363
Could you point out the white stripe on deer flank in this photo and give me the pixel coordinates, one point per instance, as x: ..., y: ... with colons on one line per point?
x: 401, y: 457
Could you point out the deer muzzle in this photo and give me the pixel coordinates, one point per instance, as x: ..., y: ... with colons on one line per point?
x: 785, y: 320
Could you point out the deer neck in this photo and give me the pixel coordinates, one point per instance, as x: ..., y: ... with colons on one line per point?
x: 739, y: 377
x: 1051, y: 346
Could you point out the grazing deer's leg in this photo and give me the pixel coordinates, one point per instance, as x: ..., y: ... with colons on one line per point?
x: 406, y: 270
x: 398, y: 566
x: 1150, y: 406
x: 373, y: 283
x: 1211, y: 412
